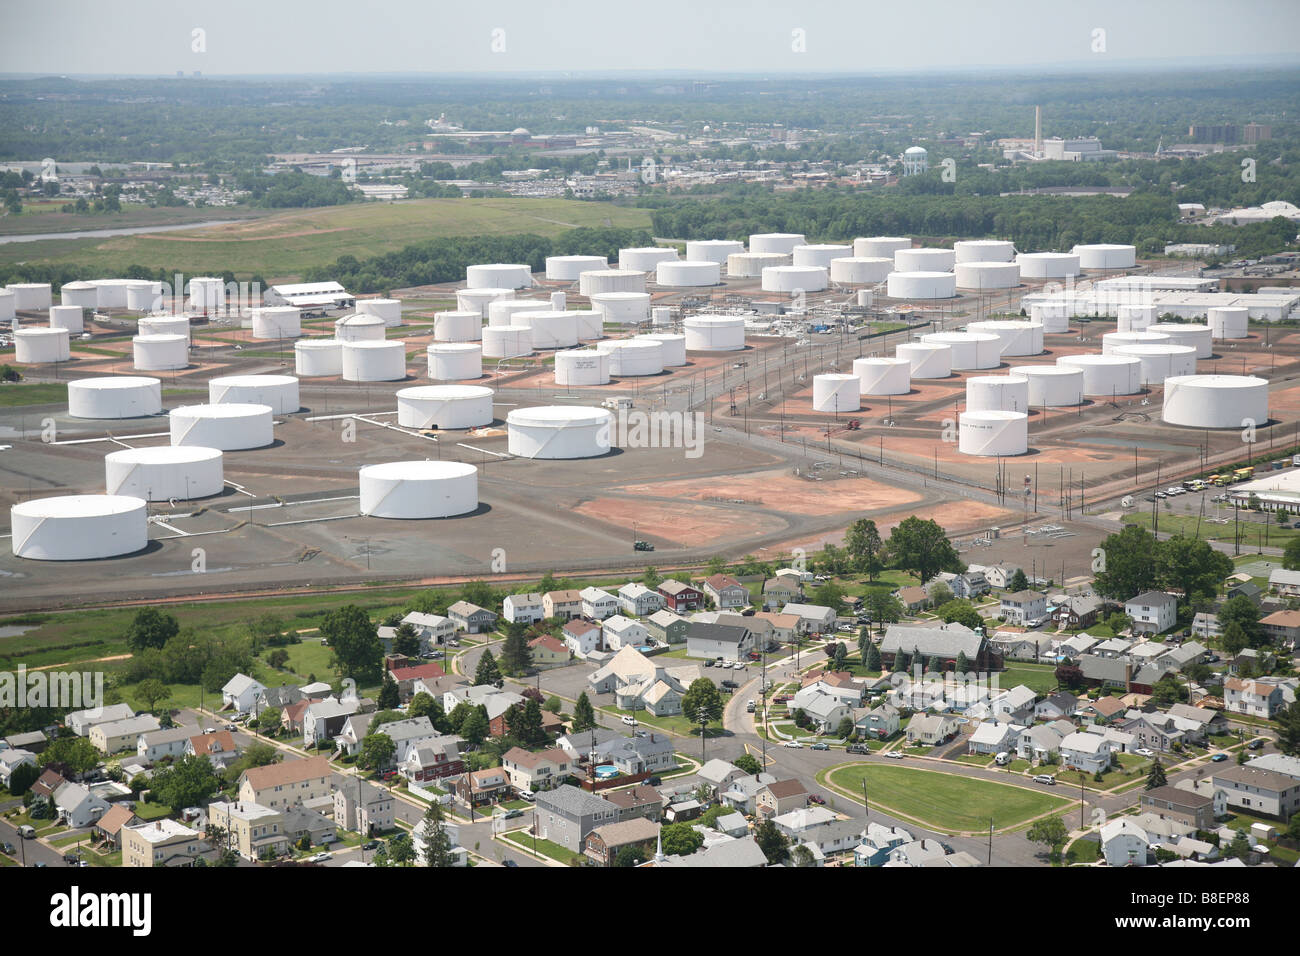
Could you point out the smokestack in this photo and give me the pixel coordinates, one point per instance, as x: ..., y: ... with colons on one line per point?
x: 1038, y: 130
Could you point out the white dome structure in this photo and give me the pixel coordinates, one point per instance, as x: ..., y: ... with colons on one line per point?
x: 480, y: 300
x: 457, y: 326
x: 632, y: 358
x: 1161, y: 361
x: 836, y: 393
x: 113, y: 397
x: 1106, y: 375
x: 978, y: 276
x: 880, y: 247
x: 164, y: 325
x: 1135, y: 318
x: 685, y: 273
x: 1106, y: 256
x: 224, y: 427
x: 448, y: 407
x: 38, y: 346
x: 927, y: 360
x: 1229, y: 321
x: 455, y: 361
x: 1052, y: 386
x: 592, y: 284
x: 418, y: 489
x: 144, y: 296
x: 674, y: 347
x: 278, y: 391
x: 83, y: 295
x: 779, y: 242
x: 390, y: 310
x: 1200, y: 337
x: 158, y: 353
x: 970, y: 350
x: 502, y: 311
x: 644, y: 259
x: 507, y: 341
x: 207, y: 294
x: 712, y: 250
x: 714, y: 333
x: 548, y: 329
x: 1017, y: 337
x: 1215, y: 401
x: 590, y: 322
x: 984, y: 250
x: 860, y: 270
x: 993, y: 433
x: 164, y: 472
x: 1048, y: 265
x: 819, y: 254
x: 277, y: 322
x: 582, y: 367
x: 317, y: 357
x: 916, y: 160
x: 498, y: 275
x: 359, y: 327
x: 569, y: 268
x: 750, y: 265
x: 78, y: 527
x: 924, y: 260
x: 1053, y: 316
x: 883, y: 376
x: 997, y: 393
x: 559, y: 432
x: 921, y: 285
x: 795, y: 279
x: 31, y: 296
x: 383, y: 361
x: 67, y: 317
x: 1113, y: 340
x: 622, y: 308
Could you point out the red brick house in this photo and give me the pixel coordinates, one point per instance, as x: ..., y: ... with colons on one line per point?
x: 681, y: 597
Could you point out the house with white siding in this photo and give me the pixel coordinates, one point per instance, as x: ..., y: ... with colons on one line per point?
x: 638, y: 600
x: 598, y: 604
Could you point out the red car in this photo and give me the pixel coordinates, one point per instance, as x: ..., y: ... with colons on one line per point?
x: 783, y: 699
x: 814, y: 798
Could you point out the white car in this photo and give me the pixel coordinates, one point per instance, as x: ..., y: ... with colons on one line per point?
x: 629, y: 720
x: 792, y: 744
x: 320, y: 857
x: 1144, y: 752
x: 895, y: 754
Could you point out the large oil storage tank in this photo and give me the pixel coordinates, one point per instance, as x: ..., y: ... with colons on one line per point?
x: 498, y: 275
x: 1215, y: 401
x: 682, y: 273
x: 1053, y: 316
x: 502, y: 311
x: 926, y: 359
x: 457, y: 326
x: 781, y: 242
x: 1052, y: 386
x: 924, y: 260
x: 1106, y: 256
x: 1017, y: 337
x: 861, y: 270
x: 278, y: 391
x: 110, y: 293
x: 224, y: 427
x: 750, y: 265
x: 598, y: 281
x: 359, y: 327
x: 834, y: 392
x: 507, y: 341
x: 1106, y: 375
x: 158, y: 353
x: 277, y: 322
x: 1161, y: 361
x: 712, y: 250
x: 7, y: 309
x: 164, y: 472
x: 455, y: 361
x: 116, y: 396
x: 674, y: 347
x: 549, y: 329
x: 444, y: 406
x: 819, y: 254
x: 81, y: 294
x: 1229, y: 321
x: 582, y: 367
x: 31, y: 296
x: 591, y: 324
x: 977, y: 276
x: 418, y: 489
x: 993, y: 433
x: 970, y: 350
x: 67, y: 317
x: 207, y: 294
x: 880, y: 247
x: 1113, y: 340
x: 164, y: 325
x: 631, y: 358
x: 1135, y: 318
x: 795, y: 279
x: 374, y: 361
x: 390, y: 310
x: 984, y: 250
x: 568, y: 268
x: 41, y: 346
x: 1200, y: 337
x: 883, y: 376
x: 622, y: 308
x: 142, y: 295
x: 1048, y: 265
x: 559, y: 431
x: 714, y: 333
x: 480, y: 300
x: 315, y: 357
x: 645, y: 259
x: 1000, y: 393
x: 79, y: 527
x: 921, y: 285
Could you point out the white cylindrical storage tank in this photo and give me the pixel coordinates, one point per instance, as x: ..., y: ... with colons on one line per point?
x: 600, y: 281
x: 313, y: 357
x: 7, y: 309
x: 1054, y: 316
x: 1113, y: 340
x: 550, y: 330
x: 1048, y: 265
x: 144, y: 296
x: 743, y: 265
x: 1106, y: 375
x: 568, y: 268
x: 990, y: 433
x: 41, y: 346
x: 926, y: 359
x: 622, y: 308
x: 224, y: 427
x: 661, y: 315
x: 457, y: 326
x: 374, y: 361
x: 921, y: 285
x: 502, y: 311
x: 110, y: 293
x: 645, y: 259
x: 559, y: 302
x: 498, y: 275
x: 31, y: 296
x: 78, y: 527
x: 984, y: 250
x: 712, y: 250
x: 819, y: 254
x: 582, y: 367
x: 125, y: 396
x: 880, y: 247
x: 970, y: 350
x: 591, y: 324
x: 631, y: 358
x: 359, y: 327
x: 158, y: 353
x: 81, y: 294
x: 1200, y: 337
x: 418, y: 489
x: 1161, y: 361
x: 1215, y: 401
x: 278, y: 322
x: 164, y: 325
x: 1106, y: 256
x: 207, y: 294
x: 444, y: 406
x: 1229, y: 321
x: 1017, y: 337
x: 480, y: 300
x: 164, y: 472
x: 860, y: 270
x: 559, y: 431
x: 998, y: 393
x: 681, y: 272
x: 883, y: 376
x: 507, y: 341
x: 1135, y: 318
x: 1052, y: 386
x: 779, y: 242
x: 795, y: 279
x: 977, y: 276
x: 67, y: 317
x: 714, y: 333
x: 836, y: 393
x: 455, y: 361
x: 278, y: 391
x: 674, y: 347
x: 390, y: 310
x: 924, y: 260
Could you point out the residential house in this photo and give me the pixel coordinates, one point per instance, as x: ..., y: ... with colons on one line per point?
x: 1188, y: 808
x: 1019, y: 645
x: 1087, y: 752
x: 160, y: 843
x: 47, y: 784
x: 1252, y: 697
x: 219, y: 747
x: 968, y: 585
x: 1123, y: 673
x: 285, y: 784
x: 1152, y: 612
x: 80, y: 721
x: 881, y: 722
x: 118, y: 735
x: 434, y: 760
x: 813, y: 618
x: 1260, y: 792
x: 523, y: 608
x: 824, y: 710
x: 1113, y: 649
x: 580, y: 746
x: 637, y: 600
x: 1060, y: 705
x: 604, y: 842
x: 565, y: 604
x: 480, y: 787
x: 742, y: 794
x: 778, y: 797
x: 548, y: 652
x: 841, y: 684
x: 323, y: 720
x: 1282, y: 628
x: 1209, y: 722
x: 1100, y: 711
x: 780, y: 591
x: 929, y: 730
x: 680, y: 597
x: 471, y: 618
x: 725, y: 591
x: 743, y: 853
x: 1077, y: 612
x: 110, y: 825
x: 638, y: 801
x: 1014, y: 706
x: 300, y: 821
x: 408, y: 677
x: 913, y: 599
x: 154, y: 745
x: 1247, y: 589
x: 666, y: 627
x: 432, y: 629
x: 407, y: 735
x: 240, y: 693
x: 567, y: 815
x: 582, y: 637
x: 77, y: 807
x: 877, y: 842
x: 1037, y: 744
x: 1286, y: 583
x: 999, y: 576
x: 1206, y: 626
x: 1182, y: 656
x: 1124, y: 843
x: 793, y: 824
x: 252, y: 830
x: 597, y: 604
x: 1279, y: 763
x: 940, y: 644
x: 719, y: 774
x: 11, y: 759
x: 619, y: 632
x: 784, y: 626
x: 364, y: 808
x: 992, y: 737
x: 1026, y: 608
x: 729, y: 642
x: 1076, y: 646
x: 543, y: 770
x: 354, y: 731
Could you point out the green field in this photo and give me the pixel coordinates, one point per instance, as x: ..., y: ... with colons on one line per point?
x: 1040, y: 678
x: 1253, y: 533
x: 14, y: 396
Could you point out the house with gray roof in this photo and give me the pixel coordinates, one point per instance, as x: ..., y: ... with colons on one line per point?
x: 567, y: 814
x: 943, y: 644
x: 1038, y: 743
x: 730, y: 642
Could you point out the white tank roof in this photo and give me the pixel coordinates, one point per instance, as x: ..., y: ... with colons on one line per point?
x: 558, y: 416
x: 78, y: 506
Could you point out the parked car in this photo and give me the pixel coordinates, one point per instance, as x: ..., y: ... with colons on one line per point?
x: 320, y: 857
x: 370, y: 845
x: 814, y: 798
x: 750, y: 707
x: 1046, y: 778
x: 821, y: 745
x: 528, y: 795
x: 709, y: 662
x: 1144, y: 752
x: 730, y: 684
x: 857, y: 749
x: 792, y: 744
x: 1219, y: 758
x: 895, y: 754
x: 629, y: 720
x: 513, y: 814
x: 1256, y: 743
x: 509, y: 863
x: 640, y: 733
x: 7, y: 848
x: 27, y: 832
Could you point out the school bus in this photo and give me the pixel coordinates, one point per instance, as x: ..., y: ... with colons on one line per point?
x: 1243, y: 474
x: 1217, y: 480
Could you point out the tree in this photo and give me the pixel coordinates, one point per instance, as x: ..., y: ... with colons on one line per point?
x: 1049, y: 831
x: 425, y: 705
x: 802, y: 856
x: 406, y: 640
x: 652, y: 578
x: 1239, y: 849
x: 548, y: 583
x: 24, y: 775
x: 884, y: 608
x: 1191, y: 566
x: 1169, y: 691
x: 437, y: 843
x: 845, y: 728
x: 962, y: 612
x: 516, y: 655
x: 553, y: 704
x: 748, y: 763
x: 151, y: 691
x: 922, y: 547
x: 524, y: 722
x: 389, y: 697
x: 1129, y: 568
x: 828, y: 594
x: 358, y: 652
x: 77, y: 753
x: 862, y: 539
x: 872, y: 660
x: 1288, y: 736
x: 475, y: 728
x: 584, y: 715
x: 840, y: 656
x: 681, y: 839
x: 940, y: 593
x: 268, y: 721
x: 1018, y: 581
x: 630, y: 855
x: 702, y: 702
x: 1242, y: 610
x: 1291, y: 555
x: 400, y: 850
x: 1156, y: 776
x: 187, y: 782
x: 962, y: 664
x: 487, y: 671
x: 151, y: 628
x: 480, y: 593
x: 377, y: 751
x: 773, y: 843
x: 1235, y: 639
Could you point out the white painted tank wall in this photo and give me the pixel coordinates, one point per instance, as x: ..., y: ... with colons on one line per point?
x: 278, y: 391
x: 1017, y: 338
x: 928, y: 360
x: 978, y: 276
x: 390, y: 310
x: 924, y: 260
x: 1200, y: 337
x: 921, y: 285
x: 112, y: 397
x: 164, y: 472
x: 880, y: 247
x: 418, y: 489
x: 480, y: 300
x: 1215, y: 401
x: 455, y: 361
x: 549, y: 330
x: 780, y: 242
x: 1106, y: 375
x: 1052, y: 386
x: 559, y: 431
x: 686, y: 273
x: 582, y: 367
x: 991, y: 433
x: 1048, y: 265
x: 164, y: 325
x: 81, y: 294
x: 645, y: 259
x: 1054, y: 317
x: 207, y: 294
x: 795, y: 279
x: 819, y: 254
x: 748, y: 265
x: 997, y: 393
x: 144, y: 296
x: 444, y: 406
x: 156, y: 353
x: 31, y: 296
x: 457, y: 326
x: 984, y: 250
x: 883, y: 376
x: 503, y: 312
x: 594, y: 283
x: 674, y: 347
x: 7, y: 309
x: 568, y: 268
x: 41, y: 346
x: 591, y: 324
x: 78, y: 527
x: 507, y: 341
x: 712, y: 250
x: 622, y: 308
x: 860, y: 270
x: 1113, y: 340
x: 374, y: 361
x: 279, y: 322
x: 630, y: 358
x: 1161, y: 361
x: 1135, y: 318
x: 714, y: 333
x: 359, y: 327
x: 836, y: 393
x: 1229, y: 322
x: 224, y: 427
x: 67, y: 317
x: 1106, y: 256
x: 314, y: 357
x: 970, y: 350
x: 498, y: 275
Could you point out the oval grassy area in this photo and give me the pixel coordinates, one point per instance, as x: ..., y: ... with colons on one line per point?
x: 945, y: 802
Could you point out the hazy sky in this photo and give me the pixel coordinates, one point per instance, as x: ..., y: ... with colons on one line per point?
x: 751, y: 36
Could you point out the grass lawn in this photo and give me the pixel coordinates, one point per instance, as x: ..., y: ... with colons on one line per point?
x: 1253, y: 533
x: 1040, y: 678
x: 73, y: 840
x: 676, y: 724
x: 943, y: 801
x: 517, y: 805
x: 14, y: 396
x: 544, y: 847
x: 975, y: 760
x: 1083, y: 851
x: 152, y: 811
x: 104, y: 859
